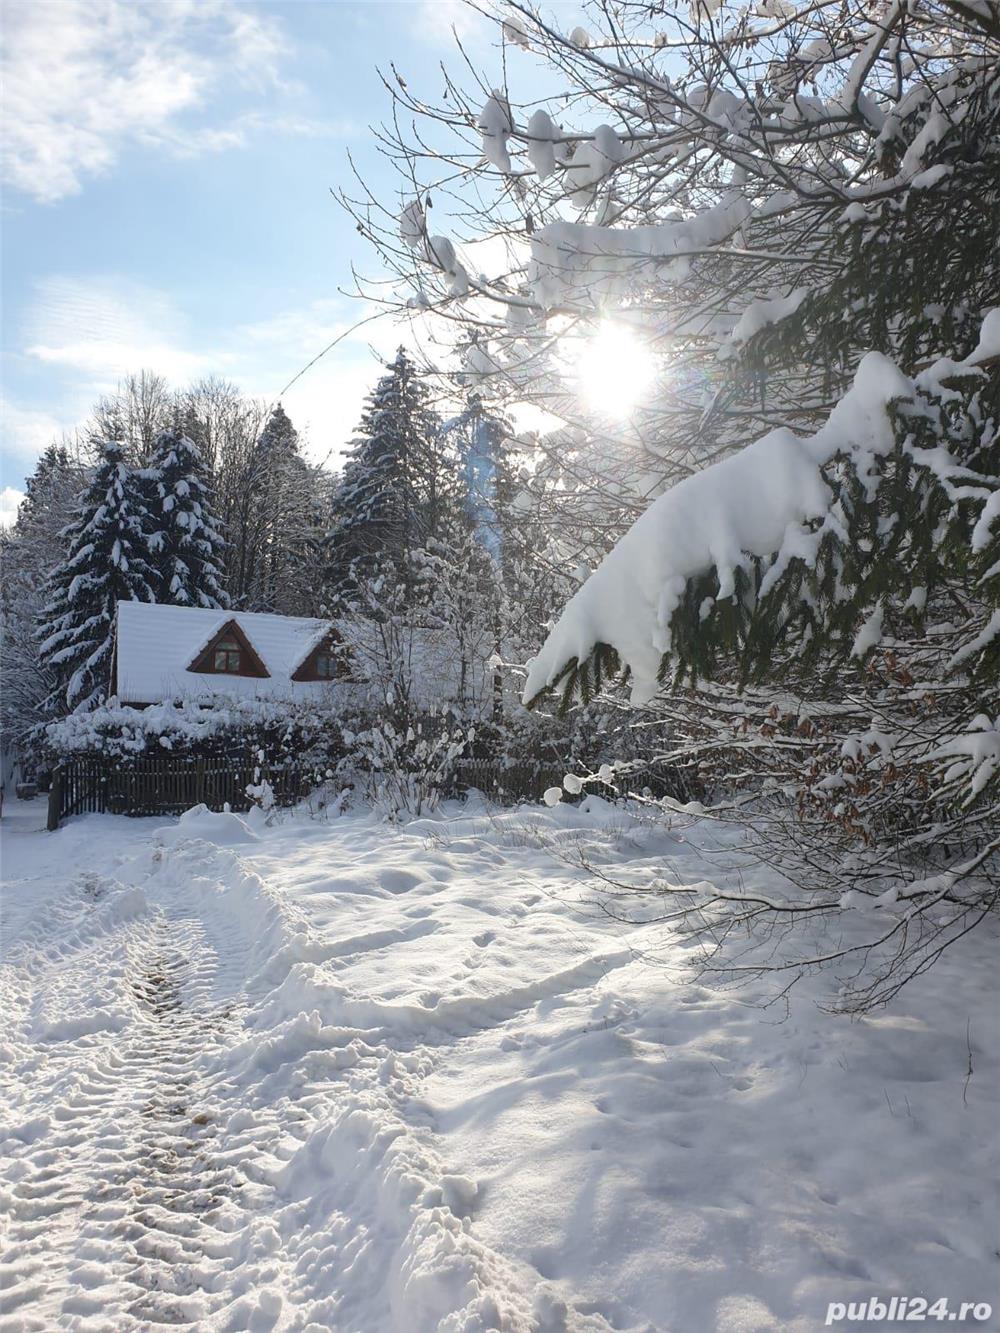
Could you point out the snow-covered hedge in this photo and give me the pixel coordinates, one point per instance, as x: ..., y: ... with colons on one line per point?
x: 117, y: 730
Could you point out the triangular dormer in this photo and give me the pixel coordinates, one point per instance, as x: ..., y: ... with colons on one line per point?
x: 326, y: 660
x: 229, y: 653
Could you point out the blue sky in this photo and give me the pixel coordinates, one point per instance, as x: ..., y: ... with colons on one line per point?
x: 166, y: 205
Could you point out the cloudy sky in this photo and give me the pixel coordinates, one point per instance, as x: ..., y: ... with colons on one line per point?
x: 166, y: 204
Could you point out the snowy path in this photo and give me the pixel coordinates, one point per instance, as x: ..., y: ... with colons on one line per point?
x: 343, y: 1077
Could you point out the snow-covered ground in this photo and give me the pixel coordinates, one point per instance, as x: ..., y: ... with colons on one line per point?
x: 342, y: 1076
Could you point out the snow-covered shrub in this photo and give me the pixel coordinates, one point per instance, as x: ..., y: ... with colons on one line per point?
x: 525, y: 752
x: 407, y: 766
x: 261, y: 792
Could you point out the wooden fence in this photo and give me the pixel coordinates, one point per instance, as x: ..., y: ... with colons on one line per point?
x: 163, y: 785
x: 169, y: 784
x: 505, y: 782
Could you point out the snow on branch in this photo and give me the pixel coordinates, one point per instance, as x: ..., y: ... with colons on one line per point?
x: 758, y: 502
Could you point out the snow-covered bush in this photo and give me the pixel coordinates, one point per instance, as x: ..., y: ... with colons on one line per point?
x: 406, y: 767
x: 261, y: 792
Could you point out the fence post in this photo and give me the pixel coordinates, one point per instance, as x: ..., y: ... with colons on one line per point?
x: 55, y: 799
x: 199, y: 778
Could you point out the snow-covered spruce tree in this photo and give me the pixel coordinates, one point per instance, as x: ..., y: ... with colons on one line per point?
x: 270, y: 501
x: 107, y: 560
x: 394, y: 485
x: 184, y: 533
x: 27, y: 552
x: 281, y: 573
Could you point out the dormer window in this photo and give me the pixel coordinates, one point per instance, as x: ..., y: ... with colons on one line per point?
x: 326, y: 661
x: 226, y: 656
x: 230, y: 653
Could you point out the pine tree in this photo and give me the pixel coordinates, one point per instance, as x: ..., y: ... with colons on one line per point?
x: 184, y: 532
x: 393, y: 489
x: 107, y: 560
x: 282, y: 571
x: 28, y: 551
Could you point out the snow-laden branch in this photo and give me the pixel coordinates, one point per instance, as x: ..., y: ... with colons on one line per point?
x: 768, y: 498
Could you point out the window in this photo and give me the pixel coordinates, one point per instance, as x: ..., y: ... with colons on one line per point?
x: 326, y: 662
x: 230, y: 653
x: 227, y: 655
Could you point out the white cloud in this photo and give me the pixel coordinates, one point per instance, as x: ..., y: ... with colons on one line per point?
x: 325, y: 404
x: 85, y: 77
x: 434, y: 20
x: 301, y: 332
x: 26, y: 432
x: 10, y: 498
x: 108, y: 327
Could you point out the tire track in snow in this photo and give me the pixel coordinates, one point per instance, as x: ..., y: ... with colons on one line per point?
x: 126, y: 1205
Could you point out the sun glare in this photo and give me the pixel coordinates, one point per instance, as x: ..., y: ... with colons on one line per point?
x: 614, y: 370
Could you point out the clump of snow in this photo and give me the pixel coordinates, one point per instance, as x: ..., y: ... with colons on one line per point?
x: 870, y: 633
x: 515, y: 33
x: 540, y: 150
x: 988, y: 346
x: 413, y: 224
x: 976, y: 755
x: 552, y: 796
x: 759, y: 314
x: 593, y: 159
x: 496, y: 124
x: 223, y: 828
x: 575, y: 259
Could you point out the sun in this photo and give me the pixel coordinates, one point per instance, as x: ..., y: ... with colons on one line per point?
x: 614, y: 369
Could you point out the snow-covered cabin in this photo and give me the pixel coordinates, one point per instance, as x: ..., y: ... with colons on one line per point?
x: 164, y: 653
